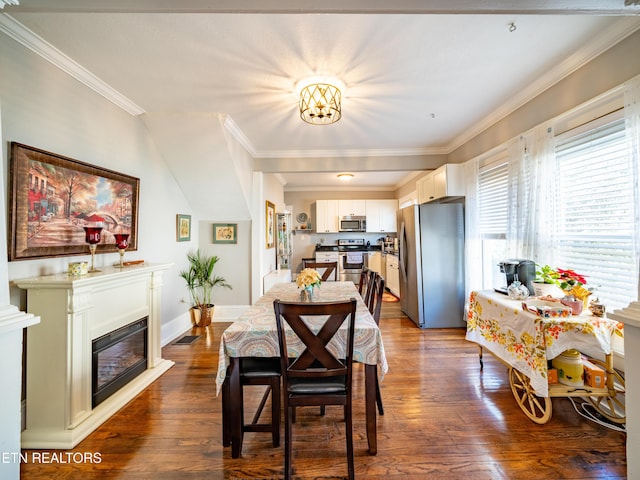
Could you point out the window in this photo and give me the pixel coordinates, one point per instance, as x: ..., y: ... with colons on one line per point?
x: 492, y: 213
x: 594, y: 226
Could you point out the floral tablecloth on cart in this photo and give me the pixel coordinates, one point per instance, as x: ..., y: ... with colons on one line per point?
x: 526, y: 341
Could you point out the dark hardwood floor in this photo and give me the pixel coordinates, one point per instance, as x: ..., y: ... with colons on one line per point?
x: 444, y: 418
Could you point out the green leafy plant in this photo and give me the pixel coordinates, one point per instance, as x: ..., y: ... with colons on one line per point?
x: 546, y: 274
x: 201, y: 280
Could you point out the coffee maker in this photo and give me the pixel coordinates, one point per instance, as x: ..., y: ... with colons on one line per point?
x: 517, y: 269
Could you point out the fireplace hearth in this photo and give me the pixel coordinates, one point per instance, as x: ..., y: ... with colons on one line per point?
x: 118, y: 357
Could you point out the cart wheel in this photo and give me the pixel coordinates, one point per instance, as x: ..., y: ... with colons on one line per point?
x: 611, y: 406
x: 536, y: 408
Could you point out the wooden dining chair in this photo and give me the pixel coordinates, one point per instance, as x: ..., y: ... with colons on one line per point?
x: 327, y: 270
x: 256, y: 371
x: 375, y: 307
x: 364, y: 287
x: 316, y: 377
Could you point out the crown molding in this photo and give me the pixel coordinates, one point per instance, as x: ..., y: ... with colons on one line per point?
x: 339, y: 188
x: 41, y: 47
x: 239, y: 135
x: 379, y: 152
x: 3, y: 3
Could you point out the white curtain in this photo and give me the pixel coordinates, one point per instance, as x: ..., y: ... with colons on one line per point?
x: 473, y: 242
x: 531, y: 159
x: 632, y: 129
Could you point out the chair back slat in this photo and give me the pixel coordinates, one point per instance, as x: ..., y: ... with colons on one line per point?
x: 316, y: 359
x: 375, y: 305
x: 328, y: 270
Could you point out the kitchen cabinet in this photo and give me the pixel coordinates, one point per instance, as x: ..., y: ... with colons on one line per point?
x: 392, y: 280
x: 381, y: 215
x: 352, y: 208
x: 446, y: 181
x: 375, y: 262
x: 326, y: 216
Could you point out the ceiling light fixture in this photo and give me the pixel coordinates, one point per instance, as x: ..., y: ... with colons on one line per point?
x: 320, y: 102
x: 345, y: 176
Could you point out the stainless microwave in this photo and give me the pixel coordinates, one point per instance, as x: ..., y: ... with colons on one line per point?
x: 351, y: 223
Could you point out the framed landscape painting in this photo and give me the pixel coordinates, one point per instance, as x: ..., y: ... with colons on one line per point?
x: 52, y: 198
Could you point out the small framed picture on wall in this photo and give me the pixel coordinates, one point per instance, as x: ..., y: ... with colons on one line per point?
x: 270, y: 224
x: 183, y: 228
x: 225, y: 233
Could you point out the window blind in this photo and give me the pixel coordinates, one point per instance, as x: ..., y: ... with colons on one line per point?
x: 492, y: 198
x: 594, y: 210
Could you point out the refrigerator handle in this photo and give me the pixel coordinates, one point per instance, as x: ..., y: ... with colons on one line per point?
x: 402, y: 249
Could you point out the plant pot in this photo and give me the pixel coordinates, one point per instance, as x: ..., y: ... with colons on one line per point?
x: 201, y: 317
x: 544, y: 289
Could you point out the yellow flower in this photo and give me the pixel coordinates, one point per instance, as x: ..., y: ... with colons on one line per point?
x: 308, y: 277
x: 578, y: 291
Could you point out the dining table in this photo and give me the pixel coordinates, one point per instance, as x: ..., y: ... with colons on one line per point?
x: 254, y: 334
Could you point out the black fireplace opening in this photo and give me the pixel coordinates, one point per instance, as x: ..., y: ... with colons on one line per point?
x: 118, y: 357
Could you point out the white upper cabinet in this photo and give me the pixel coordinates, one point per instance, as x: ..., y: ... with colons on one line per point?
x: 326, y: 216
x: 381, y: 215
x: 446, y: 181
x: 352, y: 207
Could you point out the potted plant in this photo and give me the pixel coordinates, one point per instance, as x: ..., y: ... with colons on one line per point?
x: 201, y: 281
x: 546, y: 281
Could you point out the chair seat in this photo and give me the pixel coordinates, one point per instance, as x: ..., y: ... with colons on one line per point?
x: 260, y: 367
x: 313, y: 386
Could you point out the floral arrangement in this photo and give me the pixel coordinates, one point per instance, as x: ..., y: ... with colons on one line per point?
x: 308, y: 277
x: 569, y: 281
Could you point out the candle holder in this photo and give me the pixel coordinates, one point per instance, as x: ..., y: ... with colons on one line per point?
x: 122, y: 242
x: 92, y: 236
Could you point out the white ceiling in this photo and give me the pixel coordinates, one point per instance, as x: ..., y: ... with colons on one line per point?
x: 416, y: 84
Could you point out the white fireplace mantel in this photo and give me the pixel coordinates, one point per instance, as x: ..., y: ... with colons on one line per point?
x: 74, y: 311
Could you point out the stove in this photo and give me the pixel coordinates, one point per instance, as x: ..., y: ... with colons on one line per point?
x: 351, y: 255
x: 352, y: 245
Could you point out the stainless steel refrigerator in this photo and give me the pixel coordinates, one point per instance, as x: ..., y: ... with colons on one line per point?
x: 431, y: 261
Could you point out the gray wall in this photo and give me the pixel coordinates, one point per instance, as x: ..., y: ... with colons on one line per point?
x: 45, y: 108
x: 610, y: 69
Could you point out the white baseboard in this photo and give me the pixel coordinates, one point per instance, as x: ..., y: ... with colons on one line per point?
x: 179, y: 325
x: 228, y: 313
x: 171, y: 330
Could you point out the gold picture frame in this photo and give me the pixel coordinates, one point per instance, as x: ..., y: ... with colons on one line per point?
x: 270, y: 222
